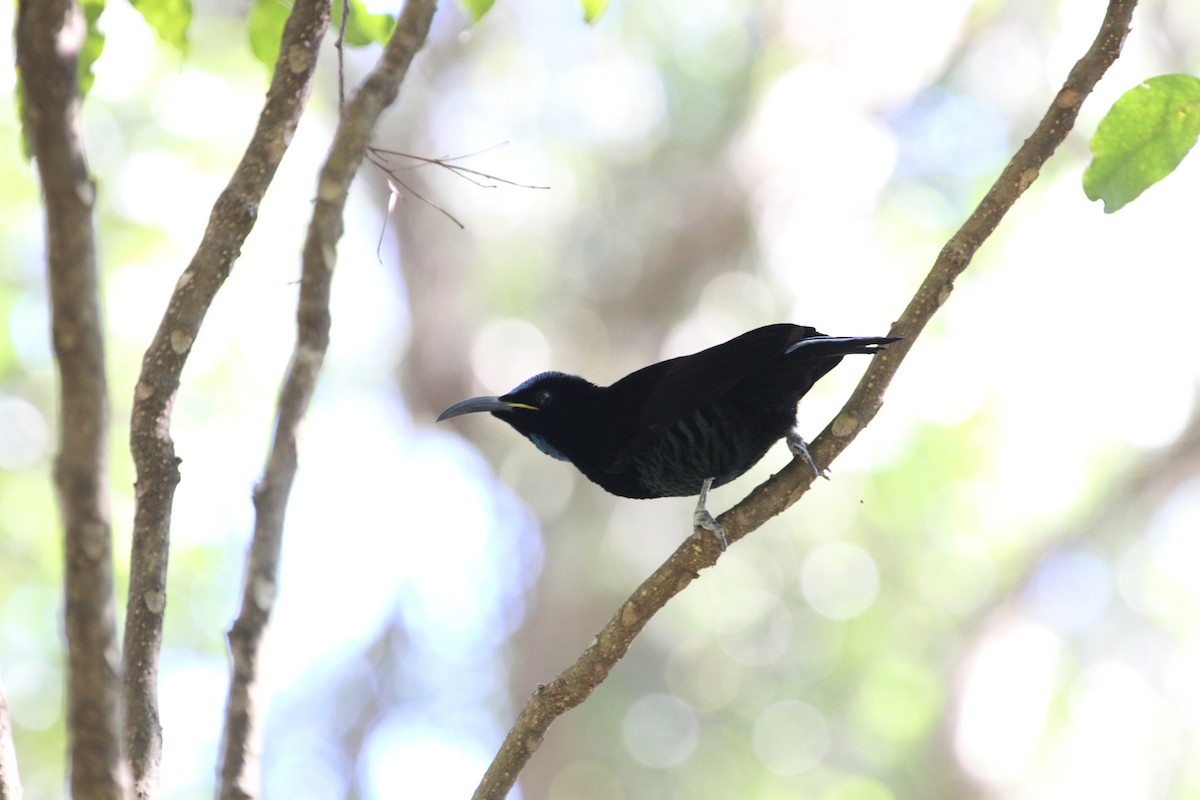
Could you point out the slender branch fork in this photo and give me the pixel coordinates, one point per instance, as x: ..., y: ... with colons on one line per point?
x: 576, y: 683
x: 242, y: 722
x: 233, y: 216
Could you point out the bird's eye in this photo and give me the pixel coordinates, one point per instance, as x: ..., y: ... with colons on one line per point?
x: 543, y: 398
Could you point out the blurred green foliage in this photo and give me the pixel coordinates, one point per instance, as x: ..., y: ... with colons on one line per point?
x: 363, y: 27
x: 477, y: 8
x: 267, y: 17
x: 93, y: 43
x: 170, y: 19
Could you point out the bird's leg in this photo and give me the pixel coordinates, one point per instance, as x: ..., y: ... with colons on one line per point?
x: 703, y: 519
x: 799, y: 449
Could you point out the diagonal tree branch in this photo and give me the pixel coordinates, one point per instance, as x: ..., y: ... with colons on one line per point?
x: 577, y: 682
x: 1018, y: 175
x: 242, y: 718
x: 10, y: 780
x: 232, y: 218
x: 49, y: 35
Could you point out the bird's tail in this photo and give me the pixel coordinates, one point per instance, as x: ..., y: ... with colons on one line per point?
x: 824, y: 346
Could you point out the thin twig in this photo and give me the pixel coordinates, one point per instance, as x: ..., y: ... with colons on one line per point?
x: 10, y: 780
x: 233, y: 216
x: 483, y: 180
x: 576, y: 683
x: 340, y: 45
x: 393, y: 182
x: 49, y: 35
x: 243, y: 720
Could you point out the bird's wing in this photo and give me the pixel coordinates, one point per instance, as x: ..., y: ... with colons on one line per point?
x: 653, y: 399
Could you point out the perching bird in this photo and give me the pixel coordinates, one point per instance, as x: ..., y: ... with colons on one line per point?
x: 683, y: 425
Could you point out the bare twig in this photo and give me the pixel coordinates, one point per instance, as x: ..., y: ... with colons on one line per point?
x: 483, y: 180
x: 49, y: 35
x: 379, y: 90
x: 339, y: 44
x: 10, y: 781
x: 394, y: 183
x: 232, y: 218
x: 576, y: 683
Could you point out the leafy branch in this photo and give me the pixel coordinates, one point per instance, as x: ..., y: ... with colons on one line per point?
x: 576, y: 683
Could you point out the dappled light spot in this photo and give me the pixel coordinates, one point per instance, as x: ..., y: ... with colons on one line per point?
x: 24, y: 434
x: 546, y: 486
x: 762, y: 643
x: 660, y: 730
x: 840, y: 580
x: 508, y: 351
x: 790, y: 737
x: 405, y: 758
x: 1119, y: 726
x: 1157, y: 573
x: 1071, y: 590
x: 705, y: 678
x: 1008, y: 686
x: 620, y: 102
x: 34, y: 690
x: 955, y: 577
x: 899, y: 701
x: 818, y: 649
x: 741, y: 300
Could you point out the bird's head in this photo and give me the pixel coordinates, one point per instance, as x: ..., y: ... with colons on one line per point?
x: 552, y: 410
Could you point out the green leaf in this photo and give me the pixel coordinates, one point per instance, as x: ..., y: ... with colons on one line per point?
x: 593, y: 10
x: 477, y: 8
x: 168, y: 18
x: 363, y: 27
x: 267, y: 18
x: 93, y: 45
x: 265, y: 26
x: 1142, y: 139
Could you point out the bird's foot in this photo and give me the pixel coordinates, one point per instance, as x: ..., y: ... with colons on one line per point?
x: 799, y: 449
x: 701, y: 518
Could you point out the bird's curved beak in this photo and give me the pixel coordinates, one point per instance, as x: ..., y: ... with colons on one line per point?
x: 473, y: 404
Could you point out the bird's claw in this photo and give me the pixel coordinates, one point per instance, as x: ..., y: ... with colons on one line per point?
x: 701, y: 518
x: 799, y: 449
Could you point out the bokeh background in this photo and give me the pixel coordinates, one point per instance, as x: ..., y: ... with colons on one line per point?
x: 995, y: 596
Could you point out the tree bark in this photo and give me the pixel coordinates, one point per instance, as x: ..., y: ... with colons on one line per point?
x: 233, y: 217
x: 49, y: 36
x: 239, y: 751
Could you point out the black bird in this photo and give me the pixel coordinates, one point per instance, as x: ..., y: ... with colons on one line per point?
x: 680, y: 426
